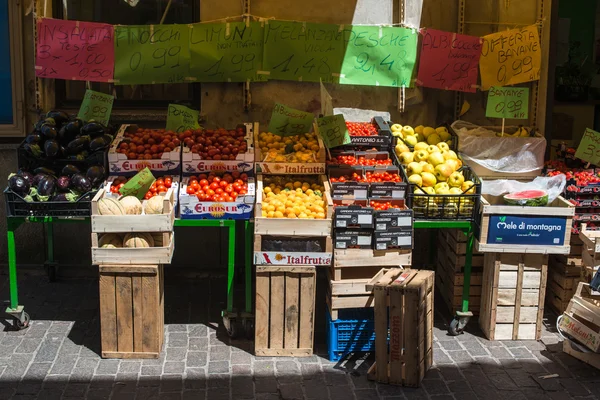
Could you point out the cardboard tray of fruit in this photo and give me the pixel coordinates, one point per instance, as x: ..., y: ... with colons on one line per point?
x: 284, y: 199
x: 136, y: 148
x: 233, y: 150
x: 410, y: 136
x: 355, y: 182
x: 217, y: 196
x: 376, y: 133
x: 127, y: 248
x: 300, y: 154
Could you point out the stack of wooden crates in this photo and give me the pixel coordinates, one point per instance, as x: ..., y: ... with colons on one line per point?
x: 564, y: 273
x: 131, y: 280
x: 590, y: 253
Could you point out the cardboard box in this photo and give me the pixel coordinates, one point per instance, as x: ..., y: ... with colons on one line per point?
x: 353, y: 217
x: 393, y: 218
x: 356, y: 239
x: 394, y: 238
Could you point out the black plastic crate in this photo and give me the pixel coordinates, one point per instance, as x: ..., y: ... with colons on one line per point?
x: 16, y: 206
x: 28, y: 162
x: 464, y: 207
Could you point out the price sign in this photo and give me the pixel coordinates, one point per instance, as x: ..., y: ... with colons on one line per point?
x: 181, y: 118
x: 449, y: 61
x: 510, y: 57
x: 333, y: 130
x: 96, y: 106
x: 286, y: 121
x: 379, y: 56
x: 148, y: 54
x: 74, y: 50
x: 298, y: 51
x: 508, y: 102
x: 230, y: 52
x: 326, y: 101
x: 589, y: 147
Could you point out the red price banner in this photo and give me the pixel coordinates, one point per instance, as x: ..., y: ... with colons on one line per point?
x: 74, y: 50
x: 449, y: 61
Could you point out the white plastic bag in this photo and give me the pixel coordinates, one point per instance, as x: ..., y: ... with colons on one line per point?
x: 412, y: 13
x: 499, y: 154
x: 554, y: 186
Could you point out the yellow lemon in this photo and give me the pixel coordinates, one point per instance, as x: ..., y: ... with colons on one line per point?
x: 278, y: 214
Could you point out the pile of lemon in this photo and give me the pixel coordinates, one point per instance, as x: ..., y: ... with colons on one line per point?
x: 293, y: 200
x: 297, y: 148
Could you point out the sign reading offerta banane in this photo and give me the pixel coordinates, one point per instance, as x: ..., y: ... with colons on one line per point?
x: 549, y: 231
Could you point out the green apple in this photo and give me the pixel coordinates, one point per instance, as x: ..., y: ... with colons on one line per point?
x: 436, y: 158
x: 428, y: 179
x: 456, y: 179
x: 406, y: 158
x: 414, y: 168
x: 442, y: 172
x: 421, y: 155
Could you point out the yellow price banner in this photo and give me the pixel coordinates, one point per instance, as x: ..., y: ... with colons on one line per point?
x: 589, y: 147
x: 510, y: 57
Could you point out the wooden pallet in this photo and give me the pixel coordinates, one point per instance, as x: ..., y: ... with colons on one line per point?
x: 162, y: 252
x: 361, y: 257
x: 131, y: 311
x: 285, y: 311
x: 409, y: 322
x: 512, y: 301
x: 288, y: 254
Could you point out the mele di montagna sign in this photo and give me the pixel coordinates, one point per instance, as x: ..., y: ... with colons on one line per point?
x: 517, y: 229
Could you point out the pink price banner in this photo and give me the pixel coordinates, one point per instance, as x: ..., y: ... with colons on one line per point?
x: 74, y: 50
x: 449, y: 61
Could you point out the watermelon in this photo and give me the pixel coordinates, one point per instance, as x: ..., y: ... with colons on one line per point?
x: 531, y: 198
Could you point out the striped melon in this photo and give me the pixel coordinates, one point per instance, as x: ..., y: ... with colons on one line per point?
x: 138, y: 240
x: 131, y: 204
x: 110, y: 206
x: 110, y: 241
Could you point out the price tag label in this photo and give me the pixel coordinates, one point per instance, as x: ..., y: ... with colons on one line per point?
x: 96, y: 106
x: 326, y: 101
x: 510, y: 57
x: 181, y: 118
x: 74, y: 50
x: 449, y: 61
x: 333, y: 130
x: 286, y: 121
x: 508, y: 102
x: 589, y: 147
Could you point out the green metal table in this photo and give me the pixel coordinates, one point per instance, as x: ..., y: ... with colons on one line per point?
x: 462, y: 317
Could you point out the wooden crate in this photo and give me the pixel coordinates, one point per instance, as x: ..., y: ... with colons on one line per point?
x: 409, y: 322
x: 287, y: 255
x: 515, y: 239
x: 562, y: 283
x: 131, y: 311
x: 135, y: 223
x: 590, y: 358
x: 361, y: 257
x: 293, y: 226
x: 284, y: 317
x: 512, y: 300
x: 590, y: 253
x: 162, y: 252
x: 581, y: 319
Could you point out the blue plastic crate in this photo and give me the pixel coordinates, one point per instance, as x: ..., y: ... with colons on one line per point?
x: 354, y: 331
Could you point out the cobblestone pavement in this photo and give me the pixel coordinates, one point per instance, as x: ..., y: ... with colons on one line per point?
x: 57, y: 358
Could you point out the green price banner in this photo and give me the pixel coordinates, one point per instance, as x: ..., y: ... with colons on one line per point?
x: 149, y: 54
x: 298, y: 51
x: 286, y: 121
x: 333, y: 130
x: 96, y: 106
x: 181, y: 118
x: 139, y: 185
x: 508, y: 102
x: 589, y: 147
x: 379, y: 56
x: 227, y: 52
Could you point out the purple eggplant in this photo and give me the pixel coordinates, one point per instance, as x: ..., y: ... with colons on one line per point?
x: 34, y: 138
x: 63, y: 183
x: 18, y: 184
x: 98, y: 143
x: 95, y: 174
x: 69, y: 170
x: 37, y: 178
x: 78, y: 145
x: 51, y: 148
x: 44, y: 170
x: 80, y: 183
x: 49, y: 131
x: 60, y: 117
x: 69, y: 196
x: 69, y: 131
x: 33, y: 149
x: 26, y: 174
x: 46, y: 188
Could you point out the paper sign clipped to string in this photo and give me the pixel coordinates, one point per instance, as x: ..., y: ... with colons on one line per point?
x: 74, y: 50
x: 286, y: 121
x: 508, y: 102
x: 510, y: 57
x: 333, y: 130
x: 326, y: 101
x: 96, y: 106
x: 449, y: 61
x: 589, y: 147
x: 181, y: 118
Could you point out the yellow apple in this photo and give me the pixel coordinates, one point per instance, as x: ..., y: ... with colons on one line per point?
x: 450, y: 154
x: 397, y: 134
x: 421, y: 155
x: 420, y: 137
x: 428, y: 131
x: 428, y: 168
x: 452, y: 163
x: 441, y: 188
x: 428, y: 179
x: 419, y: 128
x: 429, y: 190
x: 416, y: 179
x: 421, y: 146
x: 406, y: 158
x: 414, y: 168
x: 433, y: 139
x: 455, y: 190
x: 443, y: 146
x: 433, y: 149
x: 410, y: 140
x: 444, y: 135
x: 408, y: 130
x: 436, y: 158
x: 441, y: 129
x: 468, y: 187
x: 401, y: 148
x: 396, y: 128
x: 456, y: 180
x: 442, y: 172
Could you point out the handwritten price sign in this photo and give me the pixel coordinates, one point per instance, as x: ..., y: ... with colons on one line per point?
x: 148, y: 54
x: 181, y: 118
x: 229, y: 52
x: 510, y: 57
x: 286, y: 121
x: 449, y: 61
x: 379, y: 56
x: 333, y: 130
x: 74, y: 50
x: 508, y: 102
x: 589, y: 147
x: 96, y: 106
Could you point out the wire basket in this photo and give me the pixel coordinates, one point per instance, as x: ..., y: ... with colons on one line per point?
x: 464, y: 207
x: 17, y: 206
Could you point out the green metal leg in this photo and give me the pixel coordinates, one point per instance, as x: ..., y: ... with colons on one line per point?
x: 12, y: 268
x: 468, y: 264
x: 230, y: 264
x: 248, y: 229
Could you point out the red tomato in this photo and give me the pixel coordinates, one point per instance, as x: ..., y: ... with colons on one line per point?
x: 214, y: 185
x: 190, y: 190
x: 203, y: 182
